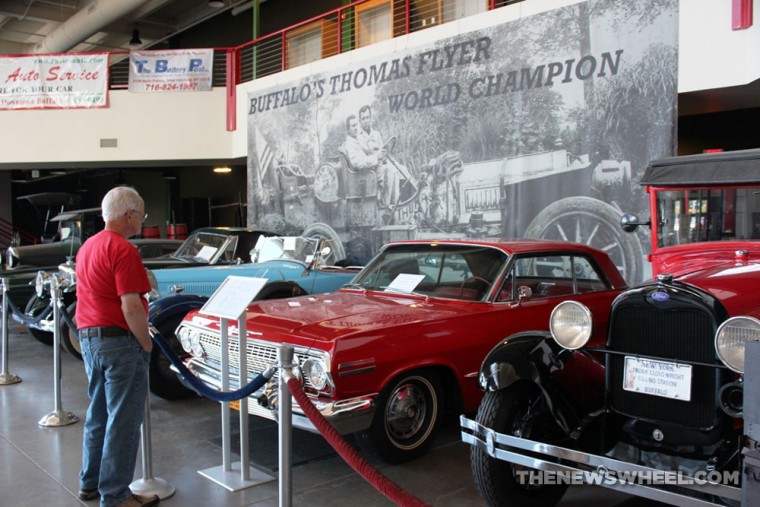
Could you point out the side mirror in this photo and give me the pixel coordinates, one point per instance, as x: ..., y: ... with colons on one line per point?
x: 630, y: 223
x: 524, y: 292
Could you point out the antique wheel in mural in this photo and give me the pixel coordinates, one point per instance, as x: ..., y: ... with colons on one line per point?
x: 320, y: 230
x: 594, y: 223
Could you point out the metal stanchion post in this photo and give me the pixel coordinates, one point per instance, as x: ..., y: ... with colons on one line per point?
x: 149, y: 485
x: 285, y: 434
x: 58, y: 417
x: 223, y: 475
x: 6, y: 378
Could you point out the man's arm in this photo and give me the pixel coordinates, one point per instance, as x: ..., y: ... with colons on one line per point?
x: 137, y: 319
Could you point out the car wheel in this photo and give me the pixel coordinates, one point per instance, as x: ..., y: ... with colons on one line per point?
x: 595, y: 223
x: 164, y: 382
x: 320, y: 230
x: 521, y: 411
x: 406, y: 420
x: 69, y: 337
x: 34, y: 307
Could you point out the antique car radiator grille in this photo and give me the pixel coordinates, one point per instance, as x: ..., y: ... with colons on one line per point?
x: 675, y: 335
x: 260, y: 355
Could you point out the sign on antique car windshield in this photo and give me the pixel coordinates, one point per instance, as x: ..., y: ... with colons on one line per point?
x: 658, y: 378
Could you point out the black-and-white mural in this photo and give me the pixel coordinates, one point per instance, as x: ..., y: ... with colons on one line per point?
x: 538, y: 127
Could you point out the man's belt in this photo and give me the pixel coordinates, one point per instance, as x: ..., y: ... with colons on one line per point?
x: 102, y: 332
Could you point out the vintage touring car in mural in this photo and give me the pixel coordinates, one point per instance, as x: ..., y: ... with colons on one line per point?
x: 388, y: 355
x: 522, y: 196
x: 663, y: 391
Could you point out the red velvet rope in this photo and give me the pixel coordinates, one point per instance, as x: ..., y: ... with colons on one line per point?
x: 380, y: 482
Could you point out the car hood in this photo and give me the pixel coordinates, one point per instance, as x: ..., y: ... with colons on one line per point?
x: 333, y: 316
x: 211, y: 273
x: 730, y: 282
x: 681, y: 260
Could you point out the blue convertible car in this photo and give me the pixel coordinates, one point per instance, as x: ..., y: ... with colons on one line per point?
x: 294, y: 266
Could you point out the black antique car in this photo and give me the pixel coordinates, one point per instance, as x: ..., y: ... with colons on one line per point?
x: 655, y: 406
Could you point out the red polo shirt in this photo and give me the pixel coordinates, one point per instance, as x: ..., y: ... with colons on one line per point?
x: 108, y: 266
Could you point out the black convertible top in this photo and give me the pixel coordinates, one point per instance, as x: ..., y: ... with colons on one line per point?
x: 726, y: 167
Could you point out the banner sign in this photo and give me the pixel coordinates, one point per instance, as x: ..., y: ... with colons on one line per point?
x: 182, y: 70
x: 539, y: 127
x: 54, y: 81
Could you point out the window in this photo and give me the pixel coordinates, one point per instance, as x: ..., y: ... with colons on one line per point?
x: 551, y: 276
x: 311, y: 42
x: 455, y: 9
x: 374, y: 22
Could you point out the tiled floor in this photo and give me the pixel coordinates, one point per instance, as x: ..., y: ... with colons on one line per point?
x: 39, y: 465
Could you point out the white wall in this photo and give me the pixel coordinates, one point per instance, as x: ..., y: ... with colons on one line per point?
x: 192, y: 126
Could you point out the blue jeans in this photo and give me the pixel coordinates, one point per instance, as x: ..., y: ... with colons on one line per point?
x: 117, y: 369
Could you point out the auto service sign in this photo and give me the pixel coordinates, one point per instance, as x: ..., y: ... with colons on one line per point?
x: 54, y: 81
x: 171, y: 70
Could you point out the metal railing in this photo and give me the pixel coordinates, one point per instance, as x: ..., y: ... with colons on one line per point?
x: 358, y: 24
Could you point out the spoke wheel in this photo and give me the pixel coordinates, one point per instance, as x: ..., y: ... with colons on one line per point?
x: 591, y: 222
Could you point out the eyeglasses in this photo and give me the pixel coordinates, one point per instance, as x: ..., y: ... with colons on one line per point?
x: 145, y: 216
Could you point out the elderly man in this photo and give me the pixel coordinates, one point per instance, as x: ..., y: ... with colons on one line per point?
x: 116, y: 346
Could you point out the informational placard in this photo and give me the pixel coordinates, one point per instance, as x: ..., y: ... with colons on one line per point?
x: 233, y: 296
x: 658, y: 378
x: 54, y: 81
x: 405, y: 282
x: 182, y: 70
x: 206, y: 252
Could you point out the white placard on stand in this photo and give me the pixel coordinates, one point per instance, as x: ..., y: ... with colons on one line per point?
x: 229, y: 302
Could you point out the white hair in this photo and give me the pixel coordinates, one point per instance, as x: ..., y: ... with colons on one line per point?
x: 118, y: 201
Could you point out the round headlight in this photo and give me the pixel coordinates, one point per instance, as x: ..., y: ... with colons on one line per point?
x: 731, y: 337
x: 570, y: 324
x: 315, y: 371
x: 184, y: 338
x: 153, y: 294
x: 41, y: 283
x: 10, y: 258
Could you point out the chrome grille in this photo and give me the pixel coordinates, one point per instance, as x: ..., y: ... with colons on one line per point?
x: 259, y: 355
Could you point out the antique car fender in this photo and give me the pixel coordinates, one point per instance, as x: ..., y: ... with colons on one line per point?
x: 165, y: 308
x: 528, y: 356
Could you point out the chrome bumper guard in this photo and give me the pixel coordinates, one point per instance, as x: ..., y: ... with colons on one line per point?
x: 607, y: 472
x: 346, y: 416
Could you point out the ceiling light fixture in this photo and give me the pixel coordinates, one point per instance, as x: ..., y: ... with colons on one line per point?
x: 135, y: 40
x: 215, y: 4
x: 225, y: 169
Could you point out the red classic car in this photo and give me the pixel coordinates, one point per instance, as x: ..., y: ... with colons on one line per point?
x: 387, y: 355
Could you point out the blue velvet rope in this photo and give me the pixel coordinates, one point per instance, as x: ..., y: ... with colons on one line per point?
x: 200, y: 387
x: 25, y: 319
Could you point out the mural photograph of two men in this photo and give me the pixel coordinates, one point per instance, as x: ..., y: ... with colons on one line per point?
x: 516, y: 129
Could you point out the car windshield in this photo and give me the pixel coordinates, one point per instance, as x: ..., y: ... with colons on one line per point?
x: 464, y: 272
x: 688, y: 216
x: 206, y: 246
x: 296, y: 248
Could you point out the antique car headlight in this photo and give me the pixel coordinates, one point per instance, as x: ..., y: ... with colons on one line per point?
x: 11, y: 258
x: 731, y: 337
x: 153, y: 294
x: 67, y: 272
x: 41, y: 283
x: 314, y: 370
x: 570, y: 324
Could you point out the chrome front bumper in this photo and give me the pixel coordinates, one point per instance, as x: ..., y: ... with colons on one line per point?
x: 346, y: 416
x: 669, y: 487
